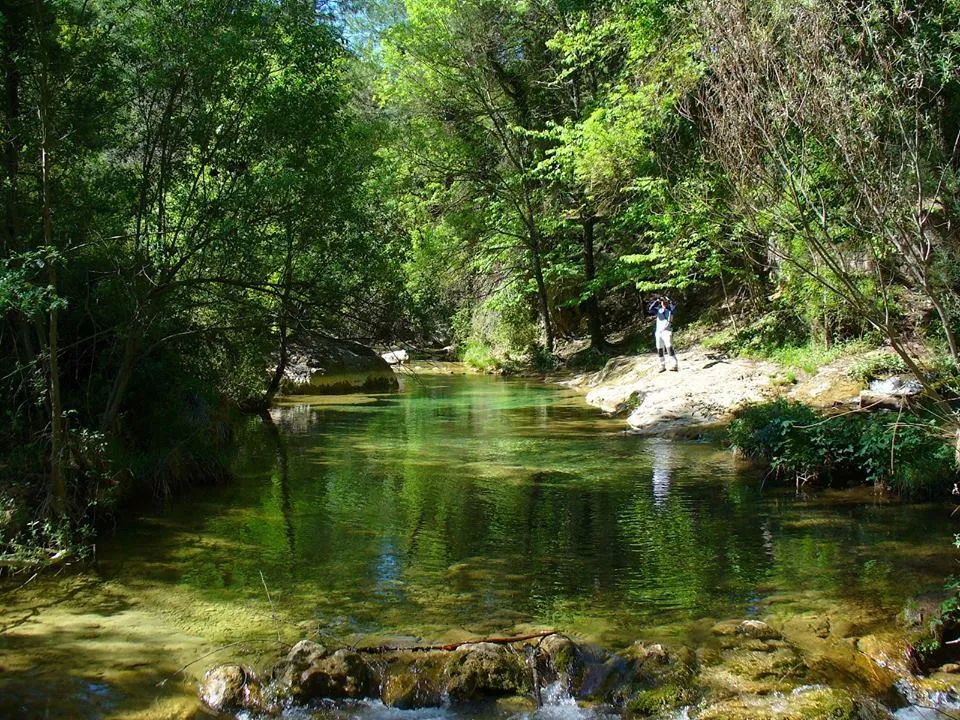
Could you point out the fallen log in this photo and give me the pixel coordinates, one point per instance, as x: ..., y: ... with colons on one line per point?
x: 449, y: 647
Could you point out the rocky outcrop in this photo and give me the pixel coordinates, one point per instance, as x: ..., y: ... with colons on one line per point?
x: 708, y: 389
x: 330, y: 367
x: 701, y: 395
x: 311, y: 671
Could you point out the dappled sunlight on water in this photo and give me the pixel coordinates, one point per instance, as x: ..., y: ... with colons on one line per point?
x: 465, y: 506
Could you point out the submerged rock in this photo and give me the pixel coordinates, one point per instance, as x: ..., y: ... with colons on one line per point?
x: 749, y: 658
x: 757, y: 630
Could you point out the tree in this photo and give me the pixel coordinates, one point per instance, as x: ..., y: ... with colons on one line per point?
x: 830, y: 125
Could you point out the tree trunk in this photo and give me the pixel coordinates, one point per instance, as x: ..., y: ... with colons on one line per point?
x: 592, y: 303
x: 13, y: 32
x: 58, y: 486
x: 128, y: 363
x: 283, y: 359
x: 542, y: 295
x: 945, y: 322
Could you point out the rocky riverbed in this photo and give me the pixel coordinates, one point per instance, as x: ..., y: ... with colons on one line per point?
x: 797, y: 668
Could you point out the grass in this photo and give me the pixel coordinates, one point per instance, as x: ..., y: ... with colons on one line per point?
x: 809, y: 358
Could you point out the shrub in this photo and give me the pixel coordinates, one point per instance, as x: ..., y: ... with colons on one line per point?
x: 909, y: 454
x: 479, y: 356
x: 776, y: 433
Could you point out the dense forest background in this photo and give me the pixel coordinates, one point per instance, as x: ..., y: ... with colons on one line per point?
x: 192, y: 187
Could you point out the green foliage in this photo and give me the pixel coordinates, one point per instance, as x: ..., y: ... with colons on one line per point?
x: 500, y: 332
x: 812, y: 356
x: 875, y: 366
x: 909, y: 454
x: 202, y: 204
x: 479, y: 356
x: 906, y: 453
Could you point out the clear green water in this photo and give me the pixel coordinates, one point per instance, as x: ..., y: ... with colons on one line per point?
x: 462, y: 507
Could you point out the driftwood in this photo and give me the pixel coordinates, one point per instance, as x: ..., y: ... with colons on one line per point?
x: 453, y: 646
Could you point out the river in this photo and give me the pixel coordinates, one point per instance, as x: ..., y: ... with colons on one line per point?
x: 462, y: 507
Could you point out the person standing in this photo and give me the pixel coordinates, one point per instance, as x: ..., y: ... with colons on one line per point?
x: 663, y: 308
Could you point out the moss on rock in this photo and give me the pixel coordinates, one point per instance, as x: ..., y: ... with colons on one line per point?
x: 814, y: 703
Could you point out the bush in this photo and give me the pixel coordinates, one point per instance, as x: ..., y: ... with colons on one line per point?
x: 479, y: 356
x: 795, y: 441
x: 501, y: 332
x: 908, y: 454
x: 876, y: 366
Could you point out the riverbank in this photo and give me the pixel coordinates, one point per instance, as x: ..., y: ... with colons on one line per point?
x: 708, y: 388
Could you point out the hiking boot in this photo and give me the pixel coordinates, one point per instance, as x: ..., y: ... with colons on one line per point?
x: 674, y: 368
x: 662, y: 369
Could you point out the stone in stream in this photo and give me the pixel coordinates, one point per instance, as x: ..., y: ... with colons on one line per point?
x: 660, y: 679
x: 310, y: 672
x: 231, y: 688
x: 483, y: 670
x: 804, y: 703
x: 414, y: 680
x: 558, y: 658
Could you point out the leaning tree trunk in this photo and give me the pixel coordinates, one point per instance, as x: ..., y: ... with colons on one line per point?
x: 284, y: 353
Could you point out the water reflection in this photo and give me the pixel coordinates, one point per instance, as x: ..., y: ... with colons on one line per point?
x: 486, y: 504
x: 661, y: 456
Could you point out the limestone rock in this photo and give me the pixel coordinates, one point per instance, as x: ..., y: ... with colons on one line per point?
x: 328, y: 367
x: 344, y: 674
x: 809, y: 703
x: 661, y: 679
x: 757, y: 630
x: 414, y: 681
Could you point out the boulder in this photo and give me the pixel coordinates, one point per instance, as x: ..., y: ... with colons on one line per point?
x: 558, y: 658
x: 344, y: 674
x: 660, y: 679
x: 414, y: 680
x: 329, y: 367
x: 396, y: 357
x: 310, y: 671
x: 231, y: 688
x: 485, y: 670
